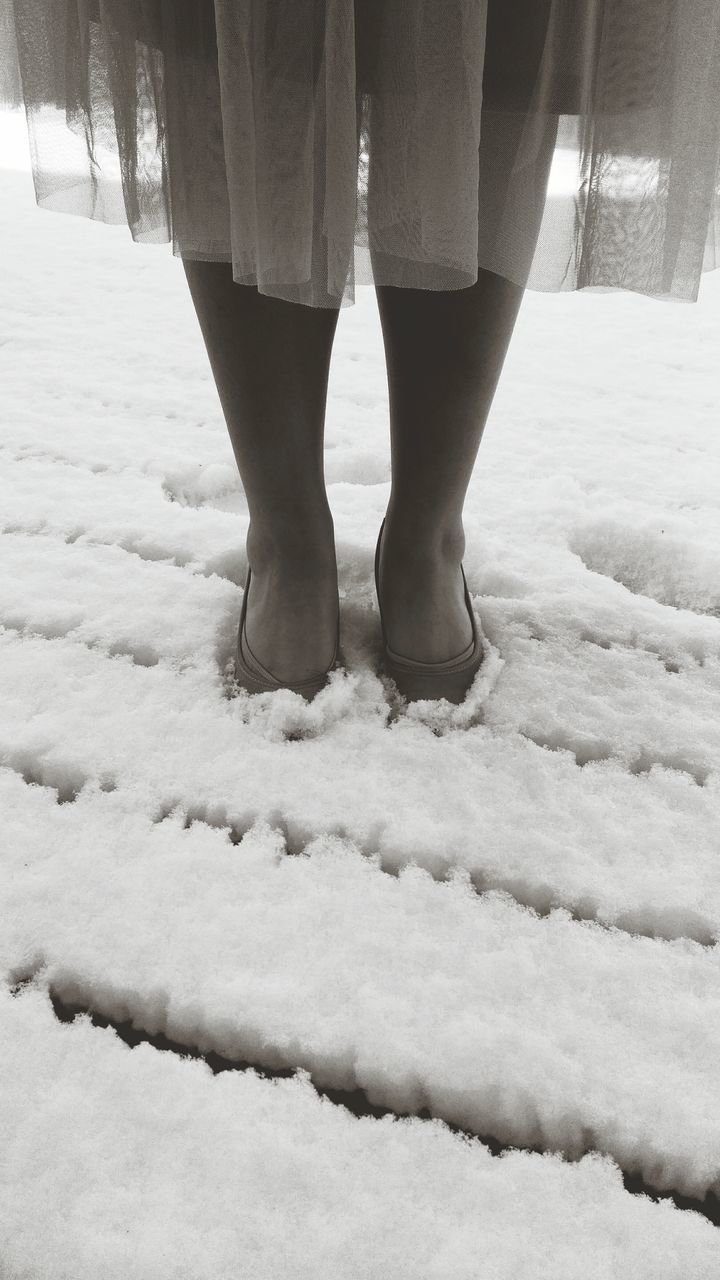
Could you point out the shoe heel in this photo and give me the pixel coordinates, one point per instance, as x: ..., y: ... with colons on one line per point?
x: 252, y: 676
x: 416, y: 680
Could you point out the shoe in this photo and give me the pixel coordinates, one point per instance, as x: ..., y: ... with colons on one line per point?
x: 415, y: 680
x: 251, y: 675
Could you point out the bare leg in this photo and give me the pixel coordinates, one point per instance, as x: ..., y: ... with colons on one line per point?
x: 271, y: 361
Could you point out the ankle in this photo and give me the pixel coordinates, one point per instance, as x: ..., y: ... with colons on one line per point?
x: 301, y: 541
x: 425, y: 539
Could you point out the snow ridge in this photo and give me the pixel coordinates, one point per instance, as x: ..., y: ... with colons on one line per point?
x: 355, y: 1101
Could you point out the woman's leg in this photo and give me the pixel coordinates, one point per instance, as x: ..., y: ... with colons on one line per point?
x: 271, y: 361
x: 445, y: 352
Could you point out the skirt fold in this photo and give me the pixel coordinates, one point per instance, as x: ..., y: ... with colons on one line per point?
x: 318, y: 145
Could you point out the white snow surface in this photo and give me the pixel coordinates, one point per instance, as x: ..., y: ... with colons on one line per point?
x: 505, y: 914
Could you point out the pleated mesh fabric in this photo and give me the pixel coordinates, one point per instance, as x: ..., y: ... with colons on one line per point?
x: 321, y: 144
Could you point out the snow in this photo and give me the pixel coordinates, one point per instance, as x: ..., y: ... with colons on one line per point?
x: 418, y: 993
x: 506, y: 913
x: 150, y: 1166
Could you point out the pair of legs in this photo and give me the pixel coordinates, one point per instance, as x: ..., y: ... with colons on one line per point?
x: 444, y: 352
x: 271, y: 360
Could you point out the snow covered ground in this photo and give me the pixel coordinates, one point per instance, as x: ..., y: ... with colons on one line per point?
x: 499, y: 922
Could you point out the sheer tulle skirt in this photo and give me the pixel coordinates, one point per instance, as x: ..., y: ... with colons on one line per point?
x: 321, y: 144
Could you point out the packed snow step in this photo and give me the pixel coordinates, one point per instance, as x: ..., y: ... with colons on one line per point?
x: 530, y: 1030
x: 662, y: 560
x: 610, y: 704
x: 131, y: 513
x: 119, y: 604
x: 639, y: 850
x: 265, y: 1175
